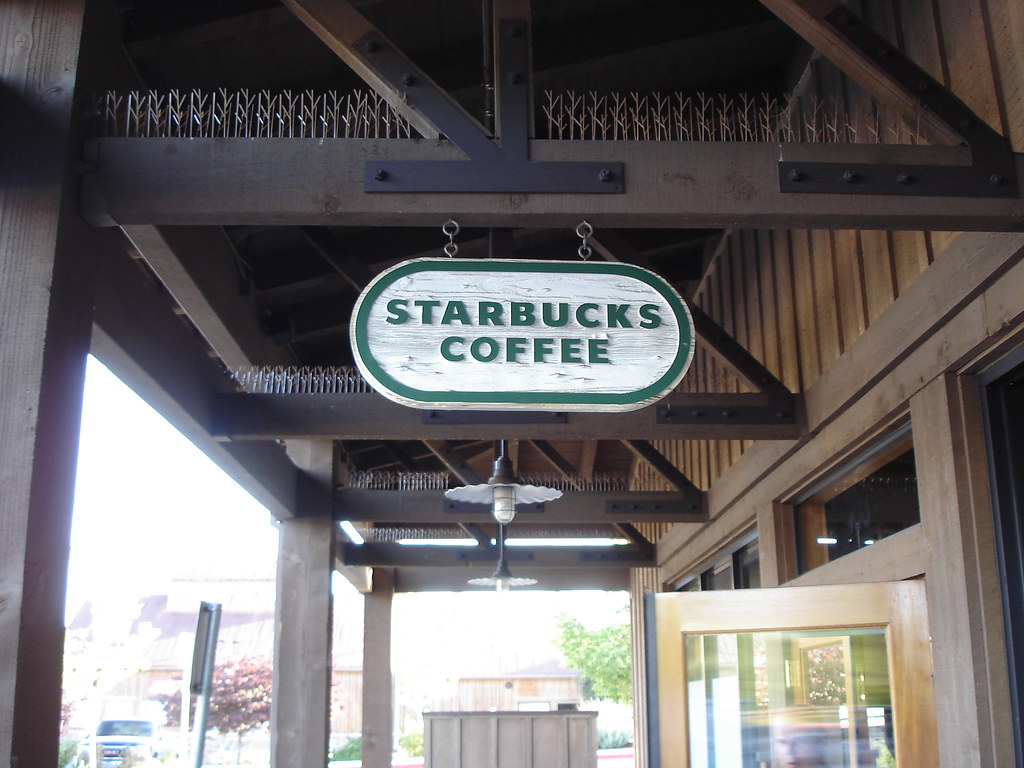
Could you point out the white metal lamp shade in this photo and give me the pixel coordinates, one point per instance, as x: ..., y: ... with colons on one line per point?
x: 502, y: 491
x: 502, y: 578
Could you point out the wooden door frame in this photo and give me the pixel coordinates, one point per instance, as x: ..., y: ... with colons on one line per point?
x: 900, y: 607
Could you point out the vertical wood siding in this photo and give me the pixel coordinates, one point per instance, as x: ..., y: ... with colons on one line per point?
x: 798, y: 299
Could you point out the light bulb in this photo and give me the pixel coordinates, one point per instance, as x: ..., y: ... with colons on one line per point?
x: 504, y: 503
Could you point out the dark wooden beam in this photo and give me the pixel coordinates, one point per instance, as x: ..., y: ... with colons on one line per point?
x: 464, y: 473
x: 645, y: 451
x: 371, y: 417
x: 808, y: 18
x: 341, y: 27
x: 198, y: 266
x: 588, y: 458
x: 455, y: 578
x: 633, y: 534
x: 557, y: 460
x: 478, y: 533
x: 403, y: 458
x: 158, y: 354
x: 574, y: 507
x: 713, y: 337
x: 343, y: 261
x: 668, y: 184
x: 380, y: 555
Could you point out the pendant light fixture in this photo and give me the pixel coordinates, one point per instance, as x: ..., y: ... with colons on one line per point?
x: 503, y: 491
x: 502, y: 579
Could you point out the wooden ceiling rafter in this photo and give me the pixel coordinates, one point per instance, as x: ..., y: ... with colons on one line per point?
x: 562, y: 465
x: 454, y: 462
x: 808, y: 18
x: 340, y: 26
x: 657, y: 461
x: 726, y: 348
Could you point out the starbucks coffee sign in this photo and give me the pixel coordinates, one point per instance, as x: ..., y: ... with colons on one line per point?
x: 539, y: 335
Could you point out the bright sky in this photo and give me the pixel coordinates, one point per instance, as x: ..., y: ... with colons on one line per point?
x: 147, y: 501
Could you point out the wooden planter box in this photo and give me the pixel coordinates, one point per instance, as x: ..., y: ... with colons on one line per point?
x: 510, y: 739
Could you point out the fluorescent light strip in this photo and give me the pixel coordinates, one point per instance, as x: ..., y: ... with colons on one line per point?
x: 589, y: 542
x: 438, y: 542
x: 351, y: 532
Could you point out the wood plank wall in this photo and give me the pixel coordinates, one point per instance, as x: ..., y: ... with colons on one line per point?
x: 798, y: 299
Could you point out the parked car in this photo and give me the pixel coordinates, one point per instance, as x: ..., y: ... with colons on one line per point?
x: 127, y: 743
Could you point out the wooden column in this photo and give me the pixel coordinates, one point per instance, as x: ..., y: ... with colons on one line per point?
x: 378, y: 696
x: 44, y: 316
x: 300, y: 713
x: 964, y: 608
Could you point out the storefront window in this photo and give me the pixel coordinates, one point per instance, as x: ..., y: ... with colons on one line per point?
x: 738, y: 569
x: 869, y: 499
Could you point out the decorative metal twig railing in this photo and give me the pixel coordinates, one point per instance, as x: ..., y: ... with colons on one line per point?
x: 430, y: 481
x: 295, y: 380
x: 599, y: 481
x: 521, y: 530
x: 572, y: 116
x: 397, y: 481
x: 703, y: 117
x: 248, y: 114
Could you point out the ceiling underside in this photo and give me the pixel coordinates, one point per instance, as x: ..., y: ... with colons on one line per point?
x: 303, y: 280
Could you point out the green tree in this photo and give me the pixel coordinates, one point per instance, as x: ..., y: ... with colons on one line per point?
x: 603, y: 655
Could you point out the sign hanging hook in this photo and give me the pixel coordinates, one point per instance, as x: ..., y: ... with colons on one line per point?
x: 451, y: 228
x: 584, y: 230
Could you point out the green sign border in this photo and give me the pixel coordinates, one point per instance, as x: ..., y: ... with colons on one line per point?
x: 372, y: 370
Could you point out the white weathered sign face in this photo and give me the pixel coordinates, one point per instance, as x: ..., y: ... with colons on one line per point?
x: 538, y: 335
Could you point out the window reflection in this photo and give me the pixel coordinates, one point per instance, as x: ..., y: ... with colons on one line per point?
x: 789, y: 699
x: 874, y: 498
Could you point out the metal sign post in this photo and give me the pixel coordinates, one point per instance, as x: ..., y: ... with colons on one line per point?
x: 207, y: 628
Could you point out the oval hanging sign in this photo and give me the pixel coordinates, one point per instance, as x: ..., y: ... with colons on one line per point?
x: 540, y: 335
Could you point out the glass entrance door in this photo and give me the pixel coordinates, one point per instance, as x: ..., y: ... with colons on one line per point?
x: 833, y: 677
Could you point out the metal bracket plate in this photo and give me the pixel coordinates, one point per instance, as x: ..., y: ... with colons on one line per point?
x: 779, y: 410
x: 992, y: 172
x: 464, y: 508
x: 485, y: 554
x: 494, y: 417
x: 626, y: 510
x: 502, y: 166
x: 617, y: 554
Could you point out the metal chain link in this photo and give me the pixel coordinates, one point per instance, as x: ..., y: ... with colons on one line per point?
x: 584, y: 230
x: 450, y: 228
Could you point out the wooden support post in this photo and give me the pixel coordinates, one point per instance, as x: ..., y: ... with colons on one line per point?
x: 964, y: 608
x: 45, y: 297
x: 300, y: 722
x: 378, y: 717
